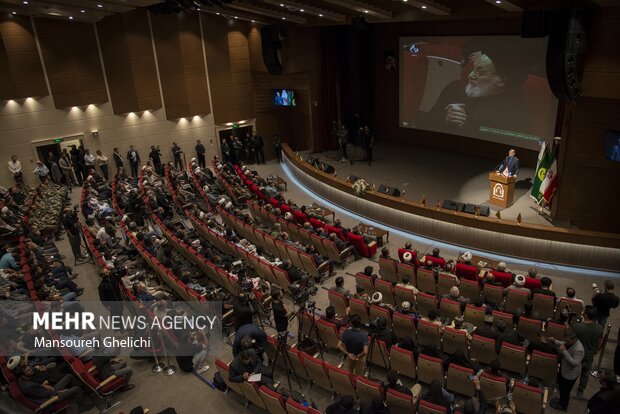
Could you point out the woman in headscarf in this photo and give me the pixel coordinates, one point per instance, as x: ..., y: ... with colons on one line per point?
x: 439, y: 396
x: 342, y: 406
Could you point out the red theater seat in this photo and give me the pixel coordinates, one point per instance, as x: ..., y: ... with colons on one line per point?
x: 466, y: 271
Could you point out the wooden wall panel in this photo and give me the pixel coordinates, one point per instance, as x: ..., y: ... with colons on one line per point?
x: 21, y: 73
x: 228, y: 63
x: 181, y: 65
x: 587, y: 195
x: 72, y: 63
x: 301, y: 59
x: 127, y: 51
x: 601, y: 73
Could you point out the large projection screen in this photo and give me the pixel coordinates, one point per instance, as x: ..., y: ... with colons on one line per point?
x: 492, y: 88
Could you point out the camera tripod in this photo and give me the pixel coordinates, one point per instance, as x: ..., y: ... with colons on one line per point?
x: 301, y: 338
x: 371, y: 349
x: 282, y: 349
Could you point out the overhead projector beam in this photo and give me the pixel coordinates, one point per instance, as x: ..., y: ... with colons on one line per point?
x: 362, y: 7
x: 264, y: 11
x: 297, y: 6
x: 430, y: 6
x: 508, y: 5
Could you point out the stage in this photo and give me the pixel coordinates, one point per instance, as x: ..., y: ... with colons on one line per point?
x: 439, y: 175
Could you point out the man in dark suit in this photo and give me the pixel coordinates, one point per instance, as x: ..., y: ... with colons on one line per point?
x: 510, y: 164
x: 134, y: 161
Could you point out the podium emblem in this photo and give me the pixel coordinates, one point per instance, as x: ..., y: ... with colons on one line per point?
x: 498, y: 191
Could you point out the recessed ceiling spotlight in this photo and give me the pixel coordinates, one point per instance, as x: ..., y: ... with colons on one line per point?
x: 218, y: 13
x: 70, y: 17
x: 253, y: 21
x: 100, y: 6
x: 365, y: 11
x: 301, y: 10
x: 13, y: 12
x: 236, y: 17
x: 320, y: 14
x: 82, y: 11
x: 423, y: 7
x: 498, y: 1
x: 25, y: 2
x: 281, y: 4
x: 284, y: 18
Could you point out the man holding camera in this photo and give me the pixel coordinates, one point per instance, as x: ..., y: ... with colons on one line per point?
x: 71, y: 223
x: 572, y: 352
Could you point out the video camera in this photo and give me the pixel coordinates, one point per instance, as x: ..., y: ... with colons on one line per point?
x: 373, y: 326
x: 301, y: 294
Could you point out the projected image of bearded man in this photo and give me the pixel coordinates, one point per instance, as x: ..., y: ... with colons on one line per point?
x: 489, y: 96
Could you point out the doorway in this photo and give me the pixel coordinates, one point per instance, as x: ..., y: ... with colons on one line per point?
x: 48, y: 153
x: 240, y: 133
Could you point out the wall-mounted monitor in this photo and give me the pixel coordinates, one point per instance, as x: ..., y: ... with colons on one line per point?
x: 284, y: 97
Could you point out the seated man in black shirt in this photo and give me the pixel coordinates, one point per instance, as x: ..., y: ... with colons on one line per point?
x: 41, y: 391
x: 545, y: 288
x: 384, y: 333
x: 247, y: 364
x: 330, y: 316
x: 294, y: 275
x: 542, y: 344
x: 506, y: 334
x: 486, y: 330
x: 394, y: 383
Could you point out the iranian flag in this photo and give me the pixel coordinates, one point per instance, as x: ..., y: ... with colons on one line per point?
x: 550, y: 183
x: 544, y: 161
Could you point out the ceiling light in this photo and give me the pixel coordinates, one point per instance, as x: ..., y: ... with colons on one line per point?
x: 498, y: 1
x: 281, y: 4
x: 13, y: 12
x: 253, y: 21
x: 218, y: 13
x: 25, y: 2
x: 70, y: 17
x: 365, y: 11
x: 82, y: 11
x: 284, y: 18
x: 100, y: 6
x: 301, y: 10
x: 423, y: 7
x: 236, y: 17
x: 320, y: 14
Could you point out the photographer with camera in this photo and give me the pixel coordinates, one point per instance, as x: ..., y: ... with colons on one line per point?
x: 71, y: 223
x: 354, y: 344
x: 176, y: 153
x: 280, y: 313
x: 155, y: 155
x: 572, y: 352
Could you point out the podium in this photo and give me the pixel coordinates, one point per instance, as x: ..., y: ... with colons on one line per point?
x: 502, y: 189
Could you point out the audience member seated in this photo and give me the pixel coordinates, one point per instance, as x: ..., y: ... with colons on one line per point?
x: 518, y: 285
x: 344, y: 405
x: 393, y: 382
x: 545, y: 288
x: 487, y: 330
x: 438, y: 395
x: 246, y: 364
x: 330, y: 316
x: 506, y: 334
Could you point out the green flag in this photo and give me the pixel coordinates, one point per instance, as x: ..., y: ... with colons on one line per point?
x: 545, y: 158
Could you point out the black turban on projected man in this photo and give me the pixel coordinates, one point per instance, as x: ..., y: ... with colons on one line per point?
x: 490, y: 97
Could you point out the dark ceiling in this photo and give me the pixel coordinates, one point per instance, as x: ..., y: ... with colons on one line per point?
x: 298, y: 12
